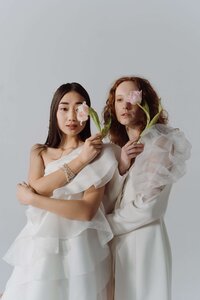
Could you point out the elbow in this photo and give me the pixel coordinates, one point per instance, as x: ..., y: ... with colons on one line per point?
x: 88, y: 210
x: 81, y: 211
x: 88, y: 216
x: 84, y: 216
x: 88, y: 213
x: 44, y: 193
x: 39, y: 190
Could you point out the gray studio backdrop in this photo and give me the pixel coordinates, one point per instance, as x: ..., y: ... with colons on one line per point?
x: 47, y: 43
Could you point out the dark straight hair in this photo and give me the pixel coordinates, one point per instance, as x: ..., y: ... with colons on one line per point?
x: 55, y: 134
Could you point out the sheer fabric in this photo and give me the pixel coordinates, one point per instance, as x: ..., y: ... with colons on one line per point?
x: 141, y: 249
x: 56, y: 258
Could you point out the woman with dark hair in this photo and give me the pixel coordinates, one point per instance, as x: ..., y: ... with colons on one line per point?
x: 62, y: 252
x: 152, y: 158
x: 54, y: 147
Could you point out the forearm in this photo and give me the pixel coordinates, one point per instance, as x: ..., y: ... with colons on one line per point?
x: 47, y: 184
x: 121, y: 222
x: 131, y: 217
x: 70, y: 209
x: 83, y: 209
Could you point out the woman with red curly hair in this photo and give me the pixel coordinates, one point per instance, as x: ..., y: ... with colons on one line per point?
x: 152, y: 158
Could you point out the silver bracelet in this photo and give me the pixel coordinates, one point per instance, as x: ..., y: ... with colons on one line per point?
x: 69, y: 174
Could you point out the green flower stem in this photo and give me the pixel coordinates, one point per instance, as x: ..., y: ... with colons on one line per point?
x: 150, y: 122
x: 95, y: 118
x: 104, y: 131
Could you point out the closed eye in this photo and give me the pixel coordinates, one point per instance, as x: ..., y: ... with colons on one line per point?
x: 119, y: 100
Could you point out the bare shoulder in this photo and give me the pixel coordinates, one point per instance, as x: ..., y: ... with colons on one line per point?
x: 43, y: 153
x: 38, y: 149
x: 50, y: 154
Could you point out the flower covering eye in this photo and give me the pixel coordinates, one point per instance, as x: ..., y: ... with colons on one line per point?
x: 84, y: 111
x: 134, y: 97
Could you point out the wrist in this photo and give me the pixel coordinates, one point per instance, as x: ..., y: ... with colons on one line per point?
x: 123, y: 167
x: 122, y: 171
x: 33, y: 199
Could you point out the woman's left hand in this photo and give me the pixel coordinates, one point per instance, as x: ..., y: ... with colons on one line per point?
x: 25, y: 193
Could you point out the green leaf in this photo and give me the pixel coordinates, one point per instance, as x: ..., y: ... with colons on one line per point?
x: 93, y: 114
x: 155, y: 118
x: 145, y: 108
x: 105, y: 129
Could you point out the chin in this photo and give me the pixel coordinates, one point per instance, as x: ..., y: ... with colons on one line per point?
x: 73, y: 133
x: 124, y: 122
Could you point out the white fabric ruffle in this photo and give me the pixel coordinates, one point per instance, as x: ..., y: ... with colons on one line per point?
x: 58, y: 252
x: 45, y: 229
x: 144, y: 196
x: 162, y: 162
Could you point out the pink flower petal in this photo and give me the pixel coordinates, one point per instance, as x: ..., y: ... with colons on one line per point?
x: 134, y: 97
x: 82, y: 112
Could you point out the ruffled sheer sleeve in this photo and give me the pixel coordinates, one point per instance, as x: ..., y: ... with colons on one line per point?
x: 98, y: 173
x: 145, y: 193
x: 162, y: 163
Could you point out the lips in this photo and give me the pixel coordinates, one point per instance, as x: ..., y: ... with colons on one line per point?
x: 72, y: 126
x: 126, y: 115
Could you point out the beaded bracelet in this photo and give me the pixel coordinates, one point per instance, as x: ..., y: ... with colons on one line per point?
x: 69, y: 174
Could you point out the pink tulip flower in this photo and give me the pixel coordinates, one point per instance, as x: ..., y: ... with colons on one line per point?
x: 134, y: 97
x: 82, y: 112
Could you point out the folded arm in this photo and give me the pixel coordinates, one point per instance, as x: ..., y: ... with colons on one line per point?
x: 131, y: 217
x: 78, y: 209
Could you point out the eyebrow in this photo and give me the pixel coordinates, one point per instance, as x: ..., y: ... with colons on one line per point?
x: 67, y: 103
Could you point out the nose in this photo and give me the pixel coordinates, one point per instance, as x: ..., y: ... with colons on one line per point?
x: 71, y: 116
x: 126, y: 105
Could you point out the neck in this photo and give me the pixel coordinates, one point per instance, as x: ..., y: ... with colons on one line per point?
x: 70, y: 142
x: 133, y: 132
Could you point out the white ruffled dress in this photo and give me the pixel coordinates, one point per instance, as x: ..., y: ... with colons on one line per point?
x: 60, y: 259
x: 141, y: 249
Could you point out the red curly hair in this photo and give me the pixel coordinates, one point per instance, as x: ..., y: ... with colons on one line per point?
x: 117, y: 132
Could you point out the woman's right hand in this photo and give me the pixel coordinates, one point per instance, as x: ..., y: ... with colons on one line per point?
x: 25, y: 193
x: 129, y: 152
x: 91, y: 148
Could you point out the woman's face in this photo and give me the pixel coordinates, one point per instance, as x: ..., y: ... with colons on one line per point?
x: 125, y: 111
x: 67, y: 114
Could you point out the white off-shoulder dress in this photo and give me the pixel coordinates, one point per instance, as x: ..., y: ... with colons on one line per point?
x: 60, y: 259
x: 141, y: 249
